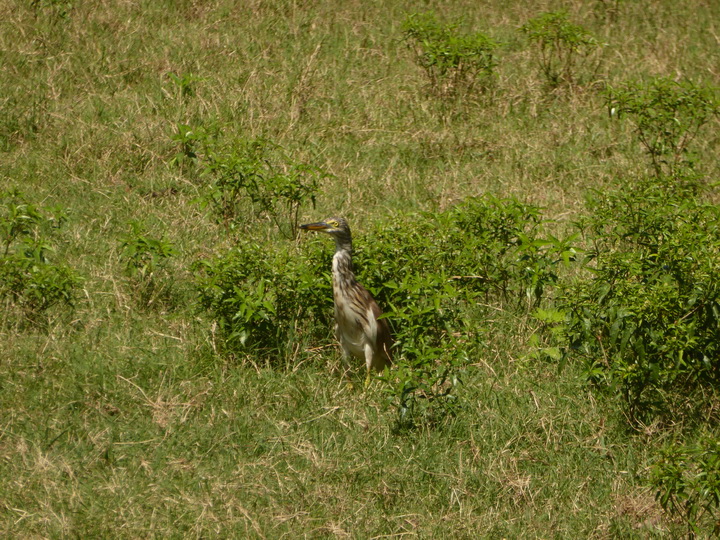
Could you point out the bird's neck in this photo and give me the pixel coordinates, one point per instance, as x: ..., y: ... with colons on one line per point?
x: 342, y: 263
x: 343, y: 244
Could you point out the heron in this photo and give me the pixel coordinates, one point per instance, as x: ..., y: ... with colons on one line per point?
x: 359, y: 328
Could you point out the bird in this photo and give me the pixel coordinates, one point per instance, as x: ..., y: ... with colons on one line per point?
x: 359, y: 328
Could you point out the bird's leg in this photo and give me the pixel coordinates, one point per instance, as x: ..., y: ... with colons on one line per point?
x: 346, y: 370
x: 368, y: 364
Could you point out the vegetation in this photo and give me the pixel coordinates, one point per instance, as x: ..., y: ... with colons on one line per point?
x: 560, y: 46
x: 549, y: 270
x: 30, y: 284
x: 145, y: 258
x: 669, y: 116
x: 454, y: 61
x: 647, y: 321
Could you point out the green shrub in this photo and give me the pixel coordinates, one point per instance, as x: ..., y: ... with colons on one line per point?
x: 687, y: 478
x: 30, y: 284
x: 244, y: 177
x: 432, y: 272
x: 453, y: 61
x: 668, y: 116
x: 192, y: 142
x: 562, y: 46
x: 19, y: 218
x: 266, y: 301
x: 144, y: 259
x: 493, y: 248
x: 647, y: 320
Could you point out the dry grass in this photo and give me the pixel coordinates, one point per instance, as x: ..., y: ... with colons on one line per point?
x: 125, y: 423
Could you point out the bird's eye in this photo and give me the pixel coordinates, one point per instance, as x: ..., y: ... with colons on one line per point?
x: 334, y: 223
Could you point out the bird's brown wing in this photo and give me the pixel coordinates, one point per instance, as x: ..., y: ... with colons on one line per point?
x: 384, y: 337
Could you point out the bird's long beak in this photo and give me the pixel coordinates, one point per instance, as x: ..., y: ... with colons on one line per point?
x: 319, y: 226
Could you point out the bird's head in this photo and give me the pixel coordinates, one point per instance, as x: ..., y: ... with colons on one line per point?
x: 336, y: 227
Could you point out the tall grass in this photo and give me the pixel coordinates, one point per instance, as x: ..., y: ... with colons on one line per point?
x: 124, y: 419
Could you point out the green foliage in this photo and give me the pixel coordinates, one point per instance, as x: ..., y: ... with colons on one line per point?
x: 494, y: 248
x: 552, y: 328
x: 29, y: 283
x: 427, y: 310
x: 432, y: 271
x: 562, y: 46
x: 192, y: 142
x: 257, y: 172
x: 19, y: 218
x: 261, y: 172
x: 184, y: 83
x: 647, y: 321
x: 687, y: 478
x: 668, y: 115
x: 265, y: 301
x: 144, y: 259
x: 453, y: 61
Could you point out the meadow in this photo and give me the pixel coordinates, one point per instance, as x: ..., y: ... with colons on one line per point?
x: 532, y: 189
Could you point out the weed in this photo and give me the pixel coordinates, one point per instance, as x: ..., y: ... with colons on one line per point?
x: 264, y: 302
x: 29, y: 282
x: 192, y: 142
x: 647, y: 320
x: 259, y: 172
x: 19, y: 218
x: 453, y: 61
x: 668, y: 116
x: 431, y: 272
x: 562, y: 46
x: 687, y: 478
x: 238, y: 172
x: 492, y: 247
x: 144, y: 259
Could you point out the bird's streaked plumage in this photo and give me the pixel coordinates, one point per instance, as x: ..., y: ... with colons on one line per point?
x: 358, y: 328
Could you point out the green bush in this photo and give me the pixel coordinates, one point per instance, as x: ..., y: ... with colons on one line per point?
x: 29, y: 281
x: 687, y: 478
x: 453, y: 61
x: 668, y: 115
x: 30, y: 284
x: 192, y: 143
x: 254, y: 176
x: 19, y: 219
x: 647, y: 320
x: 260, y: 172
x: 267, y: 302
x: 563, y: 47
x: 144, y: 259
x: 433, y: 272
x: 493, y: 248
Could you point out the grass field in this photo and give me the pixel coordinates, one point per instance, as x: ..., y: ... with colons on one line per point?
x: 126, y: 416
